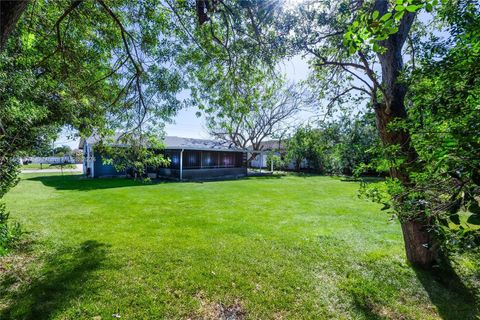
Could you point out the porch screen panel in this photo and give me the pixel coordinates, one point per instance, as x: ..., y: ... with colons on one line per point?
x: 228, y: 160
x: 174, y: 157
x: 231, y: 160
x: 210, y: 159
x: 191, y: 159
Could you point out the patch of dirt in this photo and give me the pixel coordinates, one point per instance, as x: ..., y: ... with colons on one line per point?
x: 14, y: 272
x: 218, y: 311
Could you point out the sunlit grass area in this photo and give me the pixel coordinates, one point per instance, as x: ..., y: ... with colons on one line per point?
x: 275, y: 247
x: 39, y: 166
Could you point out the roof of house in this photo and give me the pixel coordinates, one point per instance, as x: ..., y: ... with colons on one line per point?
x: 271, y: 145
x: 173, y: 142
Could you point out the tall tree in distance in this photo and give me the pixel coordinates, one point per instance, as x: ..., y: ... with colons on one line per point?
x: 256, y: 112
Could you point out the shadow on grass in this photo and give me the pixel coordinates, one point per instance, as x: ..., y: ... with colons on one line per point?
x: 265, y: 176
x: 362, y: 179
x: 64, y: 277
x: 81, y: 183
x: 448, y: 293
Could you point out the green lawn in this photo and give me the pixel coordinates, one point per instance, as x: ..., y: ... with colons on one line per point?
x: 261, y: 248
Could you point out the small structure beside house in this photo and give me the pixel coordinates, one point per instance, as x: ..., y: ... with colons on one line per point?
x: 191, y: 159
x: 259, y: 159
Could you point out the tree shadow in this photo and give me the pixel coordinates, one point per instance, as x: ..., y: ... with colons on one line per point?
x: 65, y: 276
x: 265, y: 177
x: 453, y: 299
x: 445, y: 289
x: 366, y: 180
x: 81, y: 183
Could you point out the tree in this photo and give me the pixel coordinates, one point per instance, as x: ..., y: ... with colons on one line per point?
x: 91, y: 65
x: 304, y: 145
x: 88, y: 64
x: 344, y: 41
x: 10, y: 12
x: 344, y: 44
x: 258, y: 110
x: 356, y: 137
x: 134, y: 153
x: 338, y: 146
x: 62, y: 151
x: 445, y: 96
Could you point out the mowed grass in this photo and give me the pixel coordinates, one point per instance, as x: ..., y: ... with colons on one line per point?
x: 40, y: 166
x: 287, y: 247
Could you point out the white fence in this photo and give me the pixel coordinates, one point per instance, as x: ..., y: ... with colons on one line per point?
x: 48, y: 160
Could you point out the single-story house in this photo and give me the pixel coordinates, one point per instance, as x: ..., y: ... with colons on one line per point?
x: 276, y: 147
x: 191, y: 159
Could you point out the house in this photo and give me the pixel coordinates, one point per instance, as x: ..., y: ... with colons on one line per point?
x: 191, y: 159
x: 276, y: 147
x: 259, y: 158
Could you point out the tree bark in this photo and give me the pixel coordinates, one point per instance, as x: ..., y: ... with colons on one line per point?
x: 420, y: 246
x: 10, y: 12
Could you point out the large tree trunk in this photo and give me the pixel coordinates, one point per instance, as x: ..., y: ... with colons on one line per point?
x: 419, y: 243
x: 10, y: 12
x: 420, y: 246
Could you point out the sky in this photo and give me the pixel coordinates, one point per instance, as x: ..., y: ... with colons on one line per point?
x: 187, y: 124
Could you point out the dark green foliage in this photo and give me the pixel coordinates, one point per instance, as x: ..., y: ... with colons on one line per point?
x: 62, y: 151
x: 134, y: 154
x: 10, y: 232
x: 335, y: 147
x: 446, y: 99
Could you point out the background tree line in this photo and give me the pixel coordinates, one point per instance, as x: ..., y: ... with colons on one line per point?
x: 334, y: 147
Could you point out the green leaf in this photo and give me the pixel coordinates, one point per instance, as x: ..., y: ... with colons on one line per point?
x: 393, y: 30
x: 398, y: 15
x: 28, y: 40
x: 412, y: 8
x: 429, y: 7
x: 386, y: 16
x: 375, y: 14
x: 399, y: 8
x: 399, y: 1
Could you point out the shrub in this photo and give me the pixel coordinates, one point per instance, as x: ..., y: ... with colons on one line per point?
x: 10, y: 232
